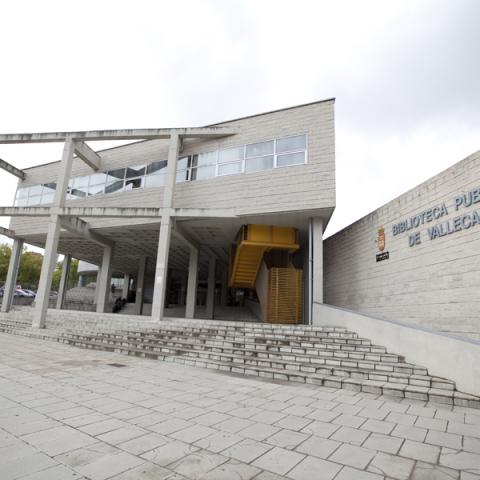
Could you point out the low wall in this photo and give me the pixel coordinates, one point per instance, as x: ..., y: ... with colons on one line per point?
x: 444, y: 355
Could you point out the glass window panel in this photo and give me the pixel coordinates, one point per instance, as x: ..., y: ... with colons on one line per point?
x: 156, y: 167
x: 115, y: 175
x: 182, y: 163
x: 230, y: 155
x: 114, y: 187
x: 258, y: 164
x: 34, y: 200
x: 291, y: 144
x: 49, y: 187
x: 134, y: 183
x: 181, y: 176
x: 96, y: 189
x: 257, y: 149
x: 137, y: 171
x: 22, y: 192
x: 47, y: 197
x: 35, y: 190
x: 203, y: 159
x: 155, y: 181
x: 80, y: 182
x: 230, y: 168
x: 290, y: 159
x: 202, y: 173
x: 21, y: 202
x: 97, y: 178
x: 78, y: 192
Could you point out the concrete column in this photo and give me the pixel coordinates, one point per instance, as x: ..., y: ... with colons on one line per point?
x: 126, y: 285
x: 317, y: 290
x: 80, y: 281
x: 62, y: 290
x: 53, y: 236
x: 105, y: 279
x: 224, y: 291
x: 212, y: 263
x: 12, y: 273
x: 97, y: 285
x: 161, y: 268
x: 192, y: 283
x: 142, y: 265
x: 183, y: 290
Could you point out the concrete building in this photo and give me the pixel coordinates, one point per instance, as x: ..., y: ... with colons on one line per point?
x: 226, y: 222
x: 205, y: 215
x: 198, y: 219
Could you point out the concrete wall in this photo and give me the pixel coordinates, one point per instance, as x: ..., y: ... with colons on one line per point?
x: 435, y: 283
x: 300, y: 187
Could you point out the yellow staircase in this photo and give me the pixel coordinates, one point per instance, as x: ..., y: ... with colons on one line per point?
x: 251, y: 244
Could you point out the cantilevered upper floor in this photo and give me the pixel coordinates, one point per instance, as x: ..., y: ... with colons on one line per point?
x: 282, y: 161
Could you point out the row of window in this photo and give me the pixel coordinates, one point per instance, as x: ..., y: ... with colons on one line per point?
x: 254, y: 157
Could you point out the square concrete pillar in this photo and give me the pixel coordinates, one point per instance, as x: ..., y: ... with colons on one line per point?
x: 161, y: 268
x: 62, y: 290
x: 142, y: 266
x: 192, y: 283
x: 212, y: 263
x: 97, y: 285
x: 317, y: 287
x: 12, y: 274
x: 126, y: 285
x: 53, y: 236
x: 105, y: 279
x: 224, y: 291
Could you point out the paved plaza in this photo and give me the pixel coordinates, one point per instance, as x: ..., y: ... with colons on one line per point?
x: 67, y: 413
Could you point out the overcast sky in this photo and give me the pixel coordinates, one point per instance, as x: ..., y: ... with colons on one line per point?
x: 405, y: 74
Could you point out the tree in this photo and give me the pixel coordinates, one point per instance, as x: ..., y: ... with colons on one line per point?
x: 72, y: 276
x: 5, y: 254
x: 30, y: 268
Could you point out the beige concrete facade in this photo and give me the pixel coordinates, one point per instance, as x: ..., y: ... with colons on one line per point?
x: 165, y: 224
x: 435, y: 283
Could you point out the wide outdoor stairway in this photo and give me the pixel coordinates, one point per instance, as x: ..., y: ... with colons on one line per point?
x: 328, y: 355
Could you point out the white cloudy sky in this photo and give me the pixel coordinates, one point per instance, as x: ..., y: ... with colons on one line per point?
x: 405, y: 75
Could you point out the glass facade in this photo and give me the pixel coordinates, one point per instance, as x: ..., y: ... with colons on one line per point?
x: 254, y: 157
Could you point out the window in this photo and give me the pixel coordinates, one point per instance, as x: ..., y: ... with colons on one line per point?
x: 203, y: 165
x: 115, y: 180
x: 230, y: 161
x: 182, y: 169
x: 291, y: 150
x: 259, y: 156
x: 254, y: 157
x: 156, y: 174
x: 96, y: 185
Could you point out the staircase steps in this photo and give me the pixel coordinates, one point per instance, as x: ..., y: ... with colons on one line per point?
x: 329, y: 356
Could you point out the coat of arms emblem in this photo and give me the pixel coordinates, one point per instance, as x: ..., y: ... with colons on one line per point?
x: 381, y: 239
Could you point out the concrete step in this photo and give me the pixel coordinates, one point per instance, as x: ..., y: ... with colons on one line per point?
x: 313, y: 356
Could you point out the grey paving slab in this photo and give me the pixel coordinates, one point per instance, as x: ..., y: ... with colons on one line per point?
x: 65, y: 413
x: 350, y: 435
x: 420, y: 451
x: 352, y: 456
x: 318, y: 447
x: 383, y: 443
x: 278, y: 460
x: 310, y: 467
x: 247, y: 450
x: 391, y: 466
